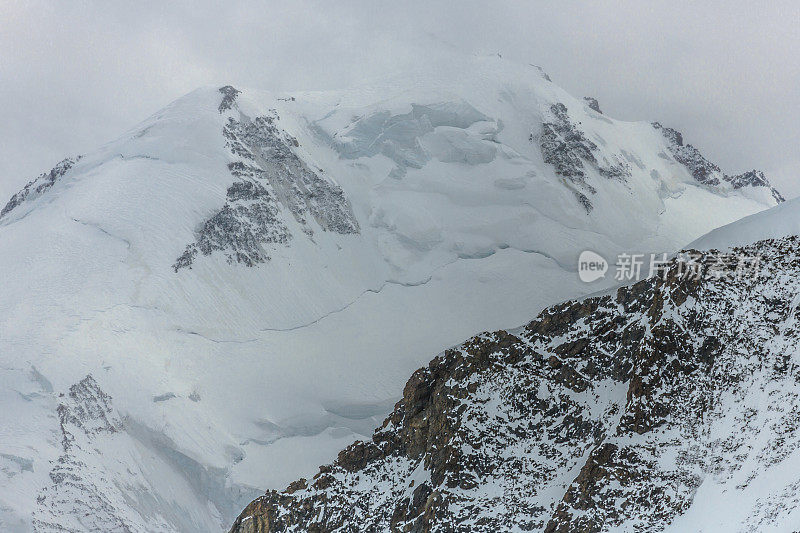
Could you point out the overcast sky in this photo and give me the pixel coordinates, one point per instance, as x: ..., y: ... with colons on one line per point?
x: 74, y: 75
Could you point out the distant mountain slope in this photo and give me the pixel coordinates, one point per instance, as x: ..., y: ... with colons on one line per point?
x: 248, y: 278
x: 669, y: 405
x: 780, y: 221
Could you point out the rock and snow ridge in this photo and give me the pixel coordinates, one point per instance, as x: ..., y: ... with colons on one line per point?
x: 40, y: 185
x: 704, y: 171
x: 670, y: 405
x: 269, y: 172
x: 249, y: 278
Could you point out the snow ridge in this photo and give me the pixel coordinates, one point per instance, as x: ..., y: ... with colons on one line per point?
x: 708, y: 173
x: 40, y: 185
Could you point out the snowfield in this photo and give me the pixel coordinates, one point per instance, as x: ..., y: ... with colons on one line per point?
x: 780, y: 221
x: 218, y: 301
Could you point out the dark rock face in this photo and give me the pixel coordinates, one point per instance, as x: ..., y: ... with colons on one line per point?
x: 584, y: 201
x: 706, y: 172
x: 592, y: 103
x: 568, y: 149
x: 601, y: 413
x: 271, y: 177
x: 229, y: 95
x: 98, y: 481
x: 40, y: 185
x: 542, y: 72
x: 754, y: 178
x: 703, y: 170
x: 565, y: 146
x: 84, y: 413
x: 88, y: 409
x: 240, y: 229
x: 673, y: 136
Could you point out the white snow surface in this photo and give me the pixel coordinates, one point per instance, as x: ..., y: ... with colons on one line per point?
x: 781, y: 221
x: 227, y: 379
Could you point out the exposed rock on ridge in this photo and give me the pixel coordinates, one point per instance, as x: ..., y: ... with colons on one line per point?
x: 567, y: 148
x: 754, y: 178
x: 84, y: 413
x: 606, y: 412
x: 40, y: 185
x: 592, y: 103
x: 708, y: 173
x: 272, y: 178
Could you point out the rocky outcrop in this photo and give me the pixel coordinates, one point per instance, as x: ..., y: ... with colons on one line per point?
x: 98, y: 482
x: 601, y: 413
x: 271, y: 178
x: 754, y: 178
x: 592, y: 103
x: 566, y: 147
x: 241, y: 229
x: 701, y: 169
x: 708, y: 173
x: 84, y: 413
x: 229, y: 95
x: 35, y: 188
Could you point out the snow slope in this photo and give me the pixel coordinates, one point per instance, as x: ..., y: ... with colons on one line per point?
x: 780, y: 221
x: 219, y: 300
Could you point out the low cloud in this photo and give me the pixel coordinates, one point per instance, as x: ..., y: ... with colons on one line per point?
x: 76, y: 74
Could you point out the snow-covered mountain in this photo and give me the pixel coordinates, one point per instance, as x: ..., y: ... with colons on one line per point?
x: 669, y: 405
x: 219, y: 300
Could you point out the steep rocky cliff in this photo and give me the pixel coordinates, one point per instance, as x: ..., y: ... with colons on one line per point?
x: 674, y: 399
